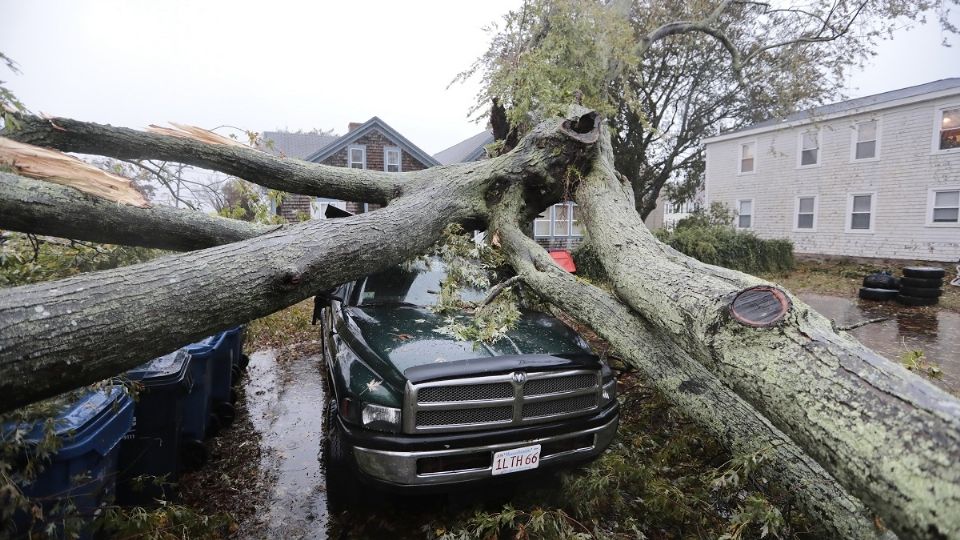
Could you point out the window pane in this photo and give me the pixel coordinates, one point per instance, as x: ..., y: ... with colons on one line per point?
x: 945, y: 215
x: 947, y: 198
x: 808, y: 157
x: 393, y: 157
x: 860, y: 221
x: 861, y: 203
x: 744, y: 221
x: 356, y: 165
x: 356, y: 154
x: 866, y: 150
x: 561, y: 220
x: 950, y: 129
x: 805, y: 221
x: 746, y: 151
x: 746, y: 165
x: 746, y: 207
x: 810, y: 140
x: 575, y: 226
x: 541, y: 225
x: 867, y: 131
x: 806, y: 205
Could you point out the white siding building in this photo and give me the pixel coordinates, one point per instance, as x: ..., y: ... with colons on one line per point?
x: 877, y: 176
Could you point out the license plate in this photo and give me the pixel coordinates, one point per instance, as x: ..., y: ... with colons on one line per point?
x: 516, y: 460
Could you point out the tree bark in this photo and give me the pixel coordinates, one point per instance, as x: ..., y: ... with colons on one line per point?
x: 36, y: 206
x: 687, y: 384
x: 888, y: 436
x: 99, y: 324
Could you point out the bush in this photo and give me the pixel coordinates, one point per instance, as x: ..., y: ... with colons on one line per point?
x: 725, y: 246
x: 588, y: 264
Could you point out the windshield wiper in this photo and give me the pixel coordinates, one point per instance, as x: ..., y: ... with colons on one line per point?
x: 379, y: 304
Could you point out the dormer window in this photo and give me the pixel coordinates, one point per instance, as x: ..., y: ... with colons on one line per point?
x: 357, y: 157
x: 391, y: 159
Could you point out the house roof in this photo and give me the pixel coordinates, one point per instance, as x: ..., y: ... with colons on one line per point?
x: 294, y: 145
x: 374, y: 123
x: 467, y: 150
x: 911, y: 94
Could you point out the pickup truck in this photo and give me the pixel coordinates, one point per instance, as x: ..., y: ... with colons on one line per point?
x: 413, y: 407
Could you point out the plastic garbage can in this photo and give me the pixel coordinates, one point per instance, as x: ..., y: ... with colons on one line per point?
x: 149, y: 459
x: 197, y: 416
x: 83, y: 471
x: 223, y: 346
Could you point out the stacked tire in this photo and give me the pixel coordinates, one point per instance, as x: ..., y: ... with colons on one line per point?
x: 921, y: 286
x: 881, y: 286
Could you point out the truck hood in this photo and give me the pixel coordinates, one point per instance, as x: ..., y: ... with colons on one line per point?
x: 408, y: 337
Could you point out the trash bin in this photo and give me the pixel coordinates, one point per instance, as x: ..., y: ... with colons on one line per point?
x: 223, y: 347
x: 237, y: 337
x: 82, y: 472
x: 149, y: 459
x: 197, y: 416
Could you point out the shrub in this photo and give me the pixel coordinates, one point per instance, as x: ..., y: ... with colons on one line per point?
x: 725, y: 246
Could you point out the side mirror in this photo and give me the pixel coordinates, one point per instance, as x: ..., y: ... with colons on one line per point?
x: 318, y: 302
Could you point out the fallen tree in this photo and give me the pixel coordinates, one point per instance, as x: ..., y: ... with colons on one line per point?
x: 850, y: 433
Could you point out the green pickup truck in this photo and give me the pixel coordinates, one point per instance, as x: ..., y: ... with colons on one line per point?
x: 413, y: 407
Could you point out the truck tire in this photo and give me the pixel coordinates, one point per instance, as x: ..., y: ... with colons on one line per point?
x: 915, y: 301
x: 924, y: 272
x: 880, y: 281
x: 342, y: 490
x: 921, y: 283
x: 921, y: 293
x: 868, y: 293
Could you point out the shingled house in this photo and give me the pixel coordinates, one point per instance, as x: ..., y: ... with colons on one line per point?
x: 371, y: 145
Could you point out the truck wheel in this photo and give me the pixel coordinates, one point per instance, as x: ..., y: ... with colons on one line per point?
x: 924, y: 272
x: 342, y: 491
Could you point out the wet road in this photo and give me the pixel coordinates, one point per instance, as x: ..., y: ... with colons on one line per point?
x: 286, y: 402
x: 936, y: 332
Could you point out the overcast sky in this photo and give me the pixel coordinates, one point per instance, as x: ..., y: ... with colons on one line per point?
x: 298, y: 65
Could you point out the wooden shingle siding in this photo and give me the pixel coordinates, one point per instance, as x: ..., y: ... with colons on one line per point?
x: 901, y: 176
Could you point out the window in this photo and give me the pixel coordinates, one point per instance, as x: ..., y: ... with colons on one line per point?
x: 561, y: 219
x: 747, y: 151
x: 541, y: 225
x: 865, y: 145
x: 357, y: 157
x: 575, y: 223
x: 318, y: 208
x: 860, y: 208
x: 745, y: 214
x: 944, y: 206
x: 806, y: 214
x: 391, y: 159
x: 809, y: 148
x: 948, y: 128
x: 558, y: 220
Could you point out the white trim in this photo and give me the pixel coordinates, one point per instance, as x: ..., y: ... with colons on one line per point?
x: 740, y: 146
x: 840, y: 114
x: 800, y: 134
x: 855, y: 136
x: 399, y: 157
x: 848, y: 217
x: 796, y: 213
x: 350, y: 149
x: 937, y: 122
x: 752, y: 214
x: 931, y: 198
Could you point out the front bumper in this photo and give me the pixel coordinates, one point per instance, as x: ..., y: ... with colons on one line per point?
x: 409, y: 461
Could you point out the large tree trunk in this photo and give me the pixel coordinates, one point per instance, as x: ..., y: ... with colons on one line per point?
x: 780, y: 377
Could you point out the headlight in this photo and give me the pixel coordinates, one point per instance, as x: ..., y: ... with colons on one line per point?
x: 380, y: 418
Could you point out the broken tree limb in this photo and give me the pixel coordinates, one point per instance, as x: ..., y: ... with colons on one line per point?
x: 100, y: 324
x: 687, y: 384
x: 39, y: 207
x: 889, y: 437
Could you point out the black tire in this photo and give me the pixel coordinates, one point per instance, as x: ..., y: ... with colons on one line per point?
x: 921, y: 283
x: 342, y: 490
x: 921, y: 293
x: 880, y: 281
x: 915, y: 301
x: 235, y: 375
x: 924, y: 272
x: 193, y: 454
x: 868, y: 293
x: 225, y: 413
x: 244, y: 361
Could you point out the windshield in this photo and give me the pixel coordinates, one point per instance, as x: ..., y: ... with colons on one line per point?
x: 411, y: 284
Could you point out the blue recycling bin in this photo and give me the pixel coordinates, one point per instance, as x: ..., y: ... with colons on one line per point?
x: 82, y: 473
x: 196, y: 413
x: 223, y: 347
x: 149, y: 459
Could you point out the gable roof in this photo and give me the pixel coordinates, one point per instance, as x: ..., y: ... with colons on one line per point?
x: 467, y: 150
x: 368, y: 126
x: 893, y: 98
x: 294, y: 145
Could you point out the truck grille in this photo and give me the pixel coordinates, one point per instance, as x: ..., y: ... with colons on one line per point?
x: 499, y: 400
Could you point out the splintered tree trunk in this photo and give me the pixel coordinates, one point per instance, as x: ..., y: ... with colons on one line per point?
x: 748, y: 362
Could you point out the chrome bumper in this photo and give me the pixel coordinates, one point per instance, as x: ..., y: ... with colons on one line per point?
x: 400, y: 468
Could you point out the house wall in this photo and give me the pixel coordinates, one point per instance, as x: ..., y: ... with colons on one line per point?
x: 299, y: 205
x: 906, y: 168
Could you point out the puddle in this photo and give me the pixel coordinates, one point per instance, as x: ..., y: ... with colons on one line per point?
x: 286, y: 402
x: 936, y: 332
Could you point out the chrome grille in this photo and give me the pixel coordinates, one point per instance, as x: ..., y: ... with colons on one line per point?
x: 465, y: 392
x: 553, y: 385
x: 499, y: 400
x: 559, y: 406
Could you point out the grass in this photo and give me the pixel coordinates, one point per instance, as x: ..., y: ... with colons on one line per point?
x: 844, y: 278
x: 283, y: 328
